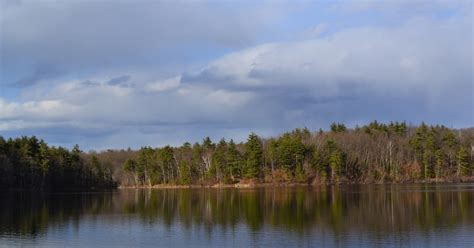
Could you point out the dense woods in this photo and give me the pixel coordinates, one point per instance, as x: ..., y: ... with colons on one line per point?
x: 29, y: 163
x: 374, y: 153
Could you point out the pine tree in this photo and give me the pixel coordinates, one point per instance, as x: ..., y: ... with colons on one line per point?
x: 44, y: 161
x: 439, y: 163
x: 234, y: 160
x: 254, y: 156
x: 167, y: 162
x: 184, y: 172
x: 333, y: 127
x: 427, y: 164
x: 336, y: 160
x: 338, y: 127
x: 97, y: 167
x: 462, y: 162
x: 450, y: 139
x: 219, y: 161
x: 272, y: 153
x: 417, y: 142
x: 317, y: 162
x: 131, y: 166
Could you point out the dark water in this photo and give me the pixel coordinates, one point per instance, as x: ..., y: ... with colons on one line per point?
x: 352, y: 216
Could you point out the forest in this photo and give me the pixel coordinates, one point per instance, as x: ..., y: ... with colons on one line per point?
x: 375, y: 153
x: 29, y: 163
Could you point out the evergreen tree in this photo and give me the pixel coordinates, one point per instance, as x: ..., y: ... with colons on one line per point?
x: 338, y: 127
x: 317, y: 162
x: 97, y: 167
x: 336, y: 160
x: 291, y: 152
x: 439, y: 163
x: 450, y: 139
x: 131, y: 166
x: 165, y: 157
x: 184, y: 172
x: 254, y: 156
x: 462, y: 162
x: 234, y: 160
x: 44, y: 161
x: 219, y: 161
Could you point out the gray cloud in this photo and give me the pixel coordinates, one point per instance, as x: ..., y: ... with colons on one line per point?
x: 418, y: 70
x: 98, y: 36
x: 40, y: 72
x: 119, y: 80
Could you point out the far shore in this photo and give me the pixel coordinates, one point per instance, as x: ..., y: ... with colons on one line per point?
x: 289, y: 185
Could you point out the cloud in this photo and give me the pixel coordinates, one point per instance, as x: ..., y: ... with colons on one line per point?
x: 316, y: 31
x: 40, y: 73
x: 119, y: 80
x: 417, y: 70
x: 421, y: 55
x: 164, y: 84
x: 36, y: 110
x: 98, y: 36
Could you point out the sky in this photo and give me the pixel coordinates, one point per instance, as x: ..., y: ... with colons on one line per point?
x: 117, y: 74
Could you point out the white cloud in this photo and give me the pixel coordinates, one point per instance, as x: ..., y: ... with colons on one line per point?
x: 419, y: 54
x: 419, y: 70
x: 164, y: 85
x: 34, y: 110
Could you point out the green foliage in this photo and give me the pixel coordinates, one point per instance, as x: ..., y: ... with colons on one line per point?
x: 393, y: 128
x: 463, y: 162
x: 439, y: 163
x: 318, y: 163
x: 43, y: 158
x: 97, y: 167
x: 450, y: 139
x: 30, y: 163
x: 130, y: 165
x: 376, y: 152
x: 254, y: 157
x: 299, y: 173
x: 427, y: 164
x: 219, y: 167
x: 338, y: 127
x: 320, y: 131
x: 417, y: 142
x: 336, y: 160
x: 398, y: 128
x: 291, y: 151
x: 207, y: 143
x: 234, y: 160
x: 185, y: 172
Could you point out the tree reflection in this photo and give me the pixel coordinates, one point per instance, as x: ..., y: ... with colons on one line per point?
x: 381, y: 209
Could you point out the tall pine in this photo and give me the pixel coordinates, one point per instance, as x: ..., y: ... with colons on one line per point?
x: 254, y: 157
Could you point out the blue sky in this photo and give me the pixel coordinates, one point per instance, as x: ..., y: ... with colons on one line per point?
x: 117, y: 74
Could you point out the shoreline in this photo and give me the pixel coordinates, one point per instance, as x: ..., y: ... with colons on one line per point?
x: 254, y: 185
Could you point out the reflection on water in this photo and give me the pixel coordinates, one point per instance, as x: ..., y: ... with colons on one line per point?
x: 377, y: 215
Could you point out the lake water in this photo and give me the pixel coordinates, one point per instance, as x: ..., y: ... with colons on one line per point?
x: 344, y: 216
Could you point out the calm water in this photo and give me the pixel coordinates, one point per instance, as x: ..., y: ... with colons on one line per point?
x: 352, y: 216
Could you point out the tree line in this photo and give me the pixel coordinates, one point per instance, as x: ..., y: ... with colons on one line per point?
x: 29, y: 163
x: 373, y: 153
x: 377, y: 152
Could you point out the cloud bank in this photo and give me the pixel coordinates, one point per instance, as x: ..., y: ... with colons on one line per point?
x: 419, y: 70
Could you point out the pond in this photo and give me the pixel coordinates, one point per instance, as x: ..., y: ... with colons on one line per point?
x: 337, y: 216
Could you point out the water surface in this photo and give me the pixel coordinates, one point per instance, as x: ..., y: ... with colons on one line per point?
x: 344, y: 216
